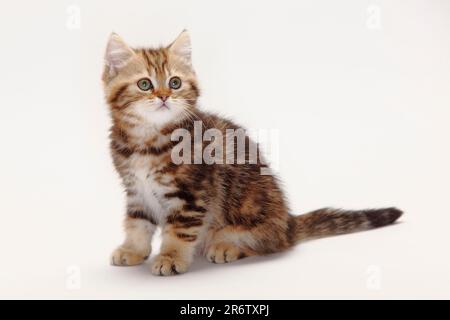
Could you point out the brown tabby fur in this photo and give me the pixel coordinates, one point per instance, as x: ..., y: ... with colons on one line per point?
x: 224, y: 211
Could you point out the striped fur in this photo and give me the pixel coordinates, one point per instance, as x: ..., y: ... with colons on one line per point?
x: 329, y: 222
x: 227, y: 211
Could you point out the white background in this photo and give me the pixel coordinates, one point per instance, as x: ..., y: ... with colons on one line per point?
x: 359, y: 91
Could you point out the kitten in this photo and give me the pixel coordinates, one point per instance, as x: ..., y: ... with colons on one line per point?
x: 224, y: 211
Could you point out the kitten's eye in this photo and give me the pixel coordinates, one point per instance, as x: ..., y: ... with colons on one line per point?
x: 145, y: 84
x: 175, y: 83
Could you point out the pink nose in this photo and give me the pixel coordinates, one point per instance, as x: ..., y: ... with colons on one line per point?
x: 163, y: 98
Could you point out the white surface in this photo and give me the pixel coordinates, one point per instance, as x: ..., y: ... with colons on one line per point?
x: 363, y: 115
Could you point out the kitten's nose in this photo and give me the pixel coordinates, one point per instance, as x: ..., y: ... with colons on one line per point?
x: 163, y: 98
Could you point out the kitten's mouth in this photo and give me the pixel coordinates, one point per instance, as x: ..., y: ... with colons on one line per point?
x: 163, y: 106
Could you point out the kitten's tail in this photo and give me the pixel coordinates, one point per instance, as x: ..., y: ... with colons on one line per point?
x: 328, y: 222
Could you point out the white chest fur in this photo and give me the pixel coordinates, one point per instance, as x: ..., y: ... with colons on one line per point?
x: 148, y: 192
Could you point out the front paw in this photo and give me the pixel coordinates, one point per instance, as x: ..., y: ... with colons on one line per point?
x: 126, y: 257
x: 168, y: 265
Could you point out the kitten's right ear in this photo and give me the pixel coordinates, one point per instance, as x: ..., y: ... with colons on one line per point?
x: 117, y: 55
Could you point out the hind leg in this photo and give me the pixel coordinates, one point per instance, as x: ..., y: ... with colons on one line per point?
x: 231, y: 243
x: 224, y: 252
x: 228, y: 245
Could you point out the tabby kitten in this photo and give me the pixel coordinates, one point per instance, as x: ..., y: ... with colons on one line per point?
x: 223, y: 211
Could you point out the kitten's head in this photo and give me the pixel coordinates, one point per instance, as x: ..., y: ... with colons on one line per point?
x: 150, y: 86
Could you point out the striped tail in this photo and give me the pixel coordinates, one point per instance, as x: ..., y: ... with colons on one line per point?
x: 328, y: 222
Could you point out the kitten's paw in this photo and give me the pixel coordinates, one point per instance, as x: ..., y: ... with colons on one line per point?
x: 125, y: 257
x: 223, y: 253
x: 167, y: 265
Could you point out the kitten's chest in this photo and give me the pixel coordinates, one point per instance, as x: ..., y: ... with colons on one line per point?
x: 145, y: 184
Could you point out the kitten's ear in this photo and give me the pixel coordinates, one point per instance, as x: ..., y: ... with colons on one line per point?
x: 182, y: 46
x: 117, y: 55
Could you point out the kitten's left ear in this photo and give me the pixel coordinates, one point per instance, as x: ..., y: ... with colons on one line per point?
x: 117, y: 55
x: 182, y: 46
